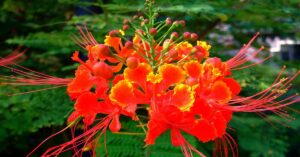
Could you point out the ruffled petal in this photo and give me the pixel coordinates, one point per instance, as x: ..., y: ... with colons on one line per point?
x: 219, y: 123
x: 220, y: 92
x: 204, y: 131
x: 155, y: 129
x: 171, y: 74
x: 139, y: 74
x: 233, y: 85
x: 193, y: 68
x: 183, y: 97
x: 122, y: 94
x: 80, y: 84
x: 87, y: 104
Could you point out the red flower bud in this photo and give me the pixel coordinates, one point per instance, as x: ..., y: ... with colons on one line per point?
x: 176, y: 23
x: 103, y: 70
x: 187, y: 35
x: 194, y: 36
x: 132, y: 62
x: 114, y: 33
x: 168, y: 21
x: 182, y: 23
x: 125, y: 27
x: 174, y: 35
x: 128, y: 45
x: 153, y: 31
x: 100, y: 51
x: 125, y: 21
x: 146, y: 21
x: 134, y: 17
x: 139, y: 31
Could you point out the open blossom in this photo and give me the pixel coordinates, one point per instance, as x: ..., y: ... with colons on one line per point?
x: 173, y: 77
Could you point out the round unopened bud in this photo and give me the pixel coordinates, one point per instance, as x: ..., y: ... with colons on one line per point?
x: 114, y: 33
x: 155, y: 15
x: 139, y: 31
x: 126, y: 27
x: 187, y: 35
x: 103, y: 70
x: 125, y: 21
x: 100, y: 51
x: 168, y: 21
x: 182, y: 23
x: 174, y: 35
x: 134, y: 17
x: 146, y: 21
x: 176, y: 23
x: 132, y: 62
x: 194, y: 36
x: 128, y: 45
x: 153, y: 31
x: 167, y: 43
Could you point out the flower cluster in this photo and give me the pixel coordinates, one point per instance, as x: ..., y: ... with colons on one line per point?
x: 171, y: 75
x: 168, y: 73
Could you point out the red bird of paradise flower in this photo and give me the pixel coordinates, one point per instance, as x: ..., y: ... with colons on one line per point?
x: 171, y: 76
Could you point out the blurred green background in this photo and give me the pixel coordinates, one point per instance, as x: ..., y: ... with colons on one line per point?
x: 45, y: 28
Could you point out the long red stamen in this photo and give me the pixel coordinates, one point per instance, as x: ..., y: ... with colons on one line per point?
x: 48, y: 138
x: 83, y: 140
x: 186, y: 148
x: 31, y: 77
x: 224, y: 144
x: 11, y: 58
x: 244, y: 56
x: 266, y: 99
x: 85, y: 37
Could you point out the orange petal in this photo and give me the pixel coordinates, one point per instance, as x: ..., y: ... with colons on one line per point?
x: 155, y: 129
x: 80, y: 84
x: 171, y: 74
x: 219, y: 124
x: 233, y: 85
x: 122, y: 93
x: 115, y: 124
x: 139, y: 74
x: 112, y: 41
x: 204, y: 131
x: 193, y: 68
x: 118, y: 67
x: 87, y: 104
x: 103, y: 70
x: 220, y: 92
x: 183, y: 97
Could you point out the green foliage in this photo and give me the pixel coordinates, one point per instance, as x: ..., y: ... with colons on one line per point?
x: 132, y: 145
x: 27, y: 113
x: 259, y: 138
